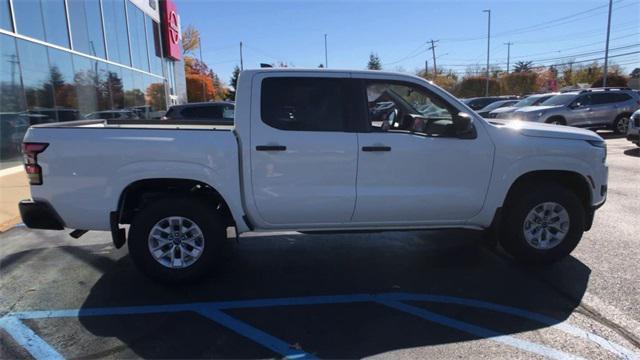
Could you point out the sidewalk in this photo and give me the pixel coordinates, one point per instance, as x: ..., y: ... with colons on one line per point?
x: 14, y: 187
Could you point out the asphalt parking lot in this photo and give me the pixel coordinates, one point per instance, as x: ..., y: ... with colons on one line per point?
x: 435, y: 294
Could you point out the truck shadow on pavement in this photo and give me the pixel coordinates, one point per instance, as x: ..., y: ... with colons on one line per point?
x: 447, y: 263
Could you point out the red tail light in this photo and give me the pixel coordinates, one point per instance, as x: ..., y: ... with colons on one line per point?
x: 30, y: 152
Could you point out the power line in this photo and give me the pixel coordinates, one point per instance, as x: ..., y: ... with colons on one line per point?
x: 559, y: 58
x: 546, y: 24
x: 411, y: 55
x: 573, y: 48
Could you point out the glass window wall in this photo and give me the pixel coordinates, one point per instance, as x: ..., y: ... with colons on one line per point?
x: 5, y: 16
x: 137, y: 34
x: 44, y: 20
x: 115, y: 24
x: 86, y: 27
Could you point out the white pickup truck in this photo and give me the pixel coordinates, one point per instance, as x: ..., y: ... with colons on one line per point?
x: 315, y: 150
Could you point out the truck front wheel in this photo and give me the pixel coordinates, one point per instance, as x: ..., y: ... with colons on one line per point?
x: 542, y: 224
x: 176, y: 239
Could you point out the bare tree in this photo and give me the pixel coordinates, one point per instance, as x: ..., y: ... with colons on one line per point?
x: 190, y: 39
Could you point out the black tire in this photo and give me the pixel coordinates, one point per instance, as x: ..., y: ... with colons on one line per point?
x: 519, y: 205
x: 203, y: 215
x: 556, y: 120
x: 617, y: 121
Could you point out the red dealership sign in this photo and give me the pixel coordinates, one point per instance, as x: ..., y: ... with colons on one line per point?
x: 170, y: 29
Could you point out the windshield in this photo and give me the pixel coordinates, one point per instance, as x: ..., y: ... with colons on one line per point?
x: 562, y: 99
x: 531, y: 100
x: 498, y: 104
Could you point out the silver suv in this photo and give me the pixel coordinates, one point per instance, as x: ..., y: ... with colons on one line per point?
x: 591, y: 108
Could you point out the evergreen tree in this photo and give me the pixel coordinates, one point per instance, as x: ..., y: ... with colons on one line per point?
x: 374, y: 62
x: 233, y: 82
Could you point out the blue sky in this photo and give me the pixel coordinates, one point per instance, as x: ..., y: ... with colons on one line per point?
x: 293, y: 32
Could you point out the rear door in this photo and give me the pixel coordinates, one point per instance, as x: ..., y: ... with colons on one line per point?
x: 603, y: 108
x: 303, y: 150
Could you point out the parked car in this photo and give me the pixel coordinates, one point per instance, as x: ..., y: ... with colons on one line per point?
x: 633, y: 133
x: 591, y: 108
x: 13, y: 126
x: 484, y: 112
x: 113, y: 114
x: 146, y: 112
x: 220, y: 112
x: 305, y: 155
x: 47, y: 115
x: 478, y: 103
x: 531, y: 100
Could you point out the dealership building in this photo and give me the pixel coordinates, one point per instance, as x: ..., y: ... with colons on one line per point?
x: 63, y: 60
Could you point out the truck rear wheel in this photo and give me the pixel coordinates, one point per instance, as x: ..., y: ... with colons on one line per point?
x: 176, y: 239
x: 543, y: 224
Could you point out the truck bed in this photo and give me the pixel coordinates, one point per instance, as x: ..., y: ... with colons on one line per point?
x: 88, y: 164
x: 141, y: 124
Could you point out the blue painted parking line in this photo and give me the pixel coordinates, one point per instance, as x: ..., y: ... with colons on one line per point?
x: 28, y: 339
x: 256, y: 335
x: 214, y: 311
x: 479, y: 331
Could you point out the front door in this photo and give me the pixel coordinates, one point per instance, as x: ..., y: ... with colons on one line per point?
x: 303, y: 154
x: 412, y: 168
x: 581, y: 112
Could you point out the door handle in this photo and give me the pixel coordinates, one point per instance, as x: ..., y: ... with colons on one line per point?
x: 376, y: 148
x: 271, y: 148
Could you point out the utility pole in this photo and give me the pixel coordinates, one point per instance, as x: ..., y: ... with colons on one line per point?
x: 508, y: 53
x: 433, y: 52
x: 486, y: 89
x: 241, y: 63
x: 426, y: 67
x: 201, y: 62
x: 606, y: 49
x: 326, y: 62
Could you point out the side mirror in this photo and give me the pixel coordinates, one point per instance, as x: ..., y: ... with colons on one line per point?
x: 464, y: 126
x: 576, y: 105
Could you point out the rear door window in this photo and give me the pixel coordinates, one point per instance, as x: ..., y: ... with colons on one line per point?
x: 305, y: 103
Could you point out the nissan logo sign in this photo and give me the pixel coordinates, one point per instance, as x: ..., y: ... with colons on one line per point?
x: 174, y: 27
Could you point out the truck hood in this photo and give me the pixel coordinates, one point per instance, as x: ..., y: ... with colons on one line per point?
x: 534, y: 108
x: 527, y: 128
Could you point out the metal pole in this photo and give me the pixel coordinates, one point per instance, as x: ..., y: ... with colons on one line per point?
x: 202, y: 64
x: 241, y: 63
x: 426, y: 67
x: 326, y: 61
x: 508, y: 53
x: 486, y: 90
x: 433, y: 53
x: 606, y: 49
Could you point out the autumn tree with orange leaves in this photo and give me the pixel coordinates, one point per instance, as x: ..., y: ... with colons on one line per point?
x: 202, y: 83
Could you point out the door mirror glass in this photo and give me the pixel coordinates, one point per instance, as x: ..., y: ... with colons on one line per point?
x: 464, y: 126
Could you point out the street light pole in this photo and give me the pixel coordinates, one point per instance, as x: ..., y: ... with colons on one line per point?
x: 241, y: 63
x: 326, y: 62
x: 486, y: 90
x: 606, y: 49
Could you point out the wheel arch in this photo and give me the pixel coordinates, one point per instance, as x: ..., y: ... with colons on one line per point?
x: 572, y: 180
x: 557, y: 117
x: 140, y: 192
